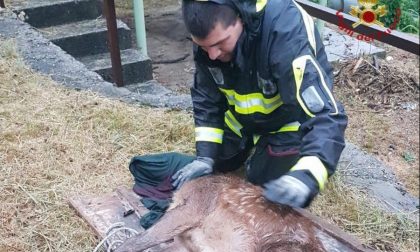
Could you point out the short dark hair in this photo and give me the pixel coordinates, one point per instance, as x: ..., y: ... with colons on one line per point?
x: 201, y: 17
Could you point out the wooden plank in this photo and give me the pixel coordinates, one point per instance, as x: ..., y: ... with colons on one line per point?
x: 101, y: 212
x: 130, y: 198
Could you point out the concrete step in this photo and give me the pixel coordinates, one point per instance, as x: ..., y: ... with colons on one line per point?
x: 136, y: 66
x: 42, y: 13
x: 86, y: 37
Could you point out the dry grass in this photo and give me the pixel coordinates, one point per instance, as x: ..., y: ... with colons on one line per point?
x: 376, y: 122
x: 353, y: 212
x: 56, y: 142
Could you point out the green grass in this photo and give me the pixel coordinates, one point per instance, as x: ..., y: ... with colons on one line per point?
x: 409, y: 20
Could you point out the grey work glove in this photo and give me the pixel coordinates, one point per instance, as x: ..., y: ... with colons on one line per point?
x: 197, y: 168
x: 287, y: 190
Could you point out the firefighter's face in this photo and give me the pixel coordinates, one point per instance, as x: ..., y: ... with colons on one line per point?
x: 220, y: 42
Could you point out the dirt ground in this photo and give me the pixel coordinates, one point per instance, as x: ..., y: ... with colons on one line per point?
x: 382, y: 104
x: 167, y: 41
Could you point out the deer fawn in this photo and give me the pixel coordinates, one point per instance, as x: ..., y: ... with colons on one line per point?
x: 225, y: 213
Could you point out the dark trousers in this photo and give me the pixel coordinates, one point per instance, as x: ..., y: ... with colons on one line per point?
x: 273, y: 156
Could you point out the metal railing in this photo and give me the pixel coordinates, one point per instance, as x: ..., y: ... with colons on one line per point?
x: 109, y: 13
x: 394, y: 38
x: 114, y: 48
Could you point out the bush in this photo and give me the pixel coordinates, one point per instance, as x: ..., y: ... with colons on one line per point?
x: 409, y: 19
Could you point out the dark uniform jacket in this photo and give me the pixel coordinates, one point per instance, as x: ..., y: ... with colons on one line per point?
x: 279, y: 78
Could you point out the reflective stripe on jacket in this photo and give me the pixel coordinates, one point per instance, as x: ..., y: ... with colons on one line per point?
x: 279, y: 75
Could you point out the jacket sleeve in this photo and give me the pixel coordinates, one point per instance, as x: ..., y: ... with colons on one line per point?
x: 303, y: 76
x: 209, y: 106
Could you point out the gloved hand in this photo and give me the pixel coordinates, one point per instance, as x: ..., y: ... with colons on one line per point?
x: 199, y: 167
x: 288, y: 190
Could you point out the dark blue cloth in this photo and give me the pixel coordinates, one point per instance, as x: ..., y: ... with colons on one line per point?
x: 152, y: 175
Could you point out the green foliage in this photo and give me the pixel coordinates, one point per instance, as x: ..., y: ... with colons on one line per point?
x: 409, y: 19
x: 409, y: 16
x: 392, y: 6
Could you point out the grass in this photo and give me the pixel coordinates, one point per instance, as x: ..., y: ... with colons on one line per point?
x: 55, y: 143
x: 355, y: 213
x: 377, y: 123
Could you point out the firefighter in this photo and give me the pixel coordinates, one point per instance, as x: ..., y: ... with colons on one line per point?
x: 262, y: 96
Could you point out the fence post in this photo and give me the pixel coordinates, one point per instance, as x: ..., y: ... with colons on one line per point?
x: 111, y: 21
x: 140, y: 26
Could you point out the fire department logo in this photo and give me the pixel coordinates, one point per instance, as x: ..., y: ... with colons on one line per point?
x: 367, y: 14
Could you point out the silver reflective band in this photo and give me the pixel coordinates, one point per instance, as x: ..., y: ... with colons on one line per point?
x: 312, y: 99
x: 252, y: 102
x: 257, y: 102
x: 208, y: 134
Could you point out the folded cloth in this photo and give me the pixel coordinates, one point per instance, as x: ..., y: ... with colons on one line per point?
x: 152, y: 175
x: 157, y: 210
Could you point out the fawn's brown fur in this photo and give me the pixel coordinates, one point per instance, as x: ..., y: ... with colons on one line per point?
x: 225, y: 213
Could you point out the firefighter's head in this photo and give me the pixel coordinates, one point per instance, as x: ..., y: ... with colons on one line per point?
x: 214, y: 27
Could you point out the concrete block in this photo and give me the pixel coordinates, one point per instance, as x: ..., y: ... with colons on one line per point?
x: 42, y: 13
x: 136, y: 66
x: 86, y: 37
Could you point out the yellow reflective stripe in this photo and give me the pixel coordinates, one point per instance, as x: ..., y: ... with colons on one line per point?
x: 208, y: 134
x: 260, y: 5
x: 232, y: 123
x: 324, y: 85
x: 293, y: 126
x: 299, y: 65
x: 252, y: 103
x: 309, y: 25
x: 315, y: 167
x: 289, y: 128
x: 256, y: 138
